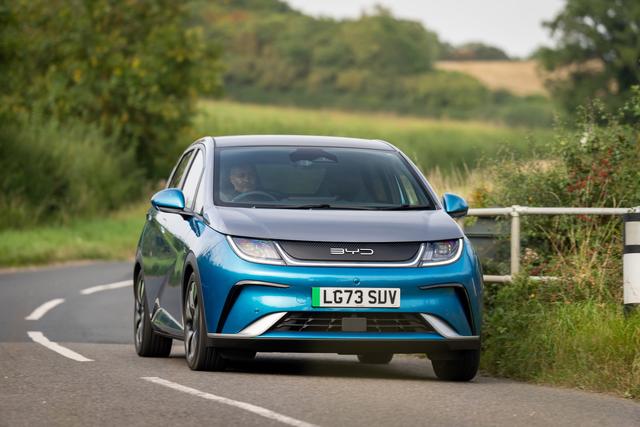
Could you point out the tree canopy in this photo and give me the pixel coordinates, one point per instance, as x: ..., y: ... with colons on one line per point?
x: 474, y: 51
x: 132, y: 68
x: 597, y: 52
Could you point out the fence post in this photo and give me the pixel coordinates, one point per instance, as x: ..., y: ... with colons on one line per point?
x: 631, y: 261
x: 515, y: 240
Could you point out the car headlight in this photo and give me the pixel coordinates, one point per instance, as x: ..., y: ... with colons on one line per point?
x: 255, y: 250
x: 441, y: 252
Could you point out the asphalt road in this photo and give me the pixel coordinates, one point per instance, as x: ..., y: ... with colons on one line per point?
x: 40, y: 386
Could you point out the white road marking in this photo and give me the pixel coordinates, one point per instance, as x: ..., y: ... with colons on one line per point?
x: 267, y: 413
x: 39, y: 338
x: 100, y: 288
x: 44, y: 308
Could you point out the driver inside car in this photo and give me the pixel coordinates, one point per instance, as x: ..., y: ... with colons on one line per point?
x: 243, y: 181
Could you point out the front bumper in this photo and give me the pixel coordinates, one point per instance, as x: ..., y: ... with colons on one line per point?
x: 258, y: 337
x: 343, y: 345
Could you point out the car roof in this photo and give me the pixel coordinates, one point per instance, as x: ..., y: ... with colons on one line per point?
x: 298, y: 140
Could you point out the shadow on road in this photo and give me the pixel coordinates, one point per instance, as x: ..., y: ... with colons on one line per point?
x: 401, y: 368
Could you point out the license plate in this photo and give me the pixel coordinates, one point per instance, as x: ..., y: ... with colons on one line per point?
x: 356, y: 297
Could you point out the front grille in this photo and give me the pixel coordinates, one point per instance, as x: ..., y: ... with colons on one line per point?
x: 350, y: 252
x: 332, y: 322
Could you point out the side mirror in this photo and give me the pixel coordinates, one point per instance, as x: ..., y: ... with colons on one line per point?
x: 454, y: 205
x: 169, y: 200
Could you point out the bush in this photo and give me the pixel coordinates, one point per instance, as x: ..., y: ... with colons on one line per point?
x: 53, y: 172
x: 446, y: 93
x: 593, y: 164
x: 558, y: 331
x: 134, y: 69
x: 530, y: 111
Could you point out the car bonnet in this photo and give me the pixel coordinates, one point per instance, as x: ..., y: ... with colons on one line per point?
x: 326, y: 225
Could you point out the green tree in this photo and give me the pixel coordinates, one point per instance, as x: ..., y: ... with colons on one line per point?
x: 598, y: 44
x: 472, y: 52
x: 134, y: 68
x: 388, y: 45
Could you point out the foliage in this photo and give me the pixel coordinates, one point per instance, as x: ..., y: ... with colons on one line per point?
x: 597, y: 51
x: 53, y: 172
x: 133, y: 68
x: 376, y: 62
x: 472, y: 52
x: 262, y: 45
x: 594, y: 165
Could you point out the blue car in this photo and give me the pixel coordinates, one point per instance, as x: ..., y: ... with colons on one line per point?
x: 306, y: 244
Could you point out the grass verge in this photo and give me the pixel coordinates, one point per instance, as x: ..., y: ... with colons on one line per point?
x: 113, y: 237
x: 586, y: 345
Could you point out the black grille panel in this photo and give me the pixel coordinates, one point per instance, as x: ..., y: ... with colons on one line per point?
x: 332, y: 322
x: 364, y: 252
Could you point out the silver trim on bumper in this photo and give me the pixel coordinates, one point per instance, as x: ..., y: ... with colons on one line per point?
x: 255, y: 329
x: 264, y: 323
x: 443, y: 328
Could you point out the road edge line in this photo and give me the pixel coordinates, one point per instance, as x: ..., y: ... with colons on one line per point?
x: 258, y: 410
x: 38, y: 337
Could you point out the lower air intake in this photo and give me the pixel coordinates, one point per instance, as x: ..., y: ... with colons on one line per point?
x: 332, y: 322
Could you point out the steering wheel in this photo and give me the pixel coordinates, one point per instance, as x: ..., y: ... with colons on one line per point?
x: 248, y: 194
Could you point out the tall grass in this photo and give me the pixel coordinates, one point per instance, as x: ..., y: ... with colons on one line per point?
x: 446, y: 144
x: 51, y: 172
x: 580, y: 344
x: 463, y: 182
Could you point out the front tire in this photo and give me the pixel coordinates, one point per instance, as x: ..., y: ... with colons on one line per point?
x: 375, y: 358
x: 147, y: 342
x: 462, y: 368
x: 199, y: 356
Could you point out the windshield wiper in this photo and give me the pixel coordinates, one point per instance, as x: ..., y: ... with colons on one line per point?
x: 404, y: 207
x: 321, y: 206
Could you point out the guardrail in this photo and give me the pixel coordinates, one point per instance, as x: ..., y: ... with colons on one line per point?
x: 515, y: 212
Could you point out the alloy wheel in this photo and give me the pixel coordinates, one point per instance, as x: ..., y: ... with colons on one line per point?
x: 138, y: 314
x: 191, y: 323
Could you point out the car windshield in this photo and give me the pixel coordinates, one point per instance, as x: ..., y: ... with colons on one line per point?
x: 316, y: 178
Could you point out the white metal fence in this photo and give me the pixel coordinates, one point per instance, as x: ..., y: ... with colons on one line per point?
x: 515, y: 212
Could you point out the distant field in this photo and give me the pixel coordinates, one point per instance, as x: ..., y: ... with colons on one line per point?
x: 519, y: 77
x: 444, y: 144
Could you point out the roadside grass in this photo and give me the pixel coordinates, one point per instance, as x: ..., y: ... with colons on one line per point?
x: 446, y: 144
x: 586, y: 345
x: 112, y: 237
x: 464, y: 182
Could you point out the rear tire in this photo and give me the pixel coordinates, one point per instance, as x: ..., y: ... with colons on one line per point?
x: 375, y: 358
x: 199, y: 356
x: 148, y: 343
x: 463, y: 368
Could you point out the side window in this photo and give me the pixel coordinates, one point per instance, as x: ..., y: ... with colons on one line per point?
x: 193, y: 177
x: 199, y: 203
x: 178, y: 172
